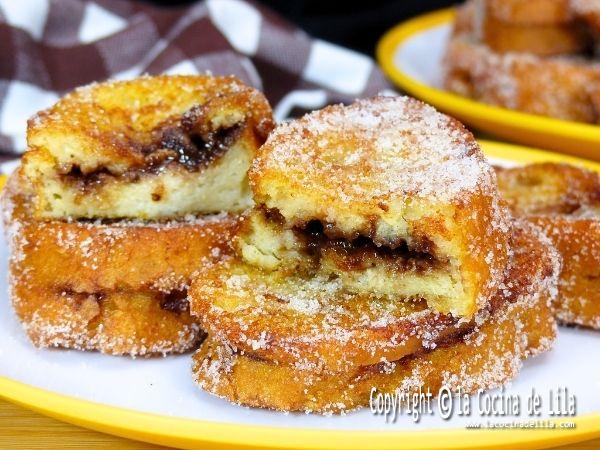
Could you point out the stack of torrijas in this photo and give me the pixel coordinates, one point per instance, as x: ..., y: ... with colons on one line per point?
x: 125, y: 188
x: 379, y: 254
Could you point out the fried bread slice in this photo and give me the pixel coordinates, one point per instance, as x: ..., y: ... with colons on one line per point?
x: 530, y: 56
x: 134, y: 323
x: 150, y: 148
x: 85, y: 256
x: 520, y: 325
x: 311, y: 323
x: 539, y: 27
x: 552, y: 86
x: 397, y: 175
x: 564, y: 201
x: 118, y: 288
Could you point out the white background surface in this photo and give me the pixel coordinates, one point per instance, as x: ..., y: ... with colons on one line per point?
x: 164, y: 385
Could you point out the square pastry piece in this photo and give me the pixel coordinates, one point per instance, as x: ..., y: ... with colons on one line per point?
x: 150, y: 148
x: 388, y: 196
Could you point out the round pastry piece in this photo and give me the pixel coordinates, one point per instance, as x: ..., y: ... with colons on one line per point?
x: 396, y: 178
x: 554, y: 87
x: 564, y: 201
x: 149, y: 148
x: 88, y: 257
x: 134, y: 323
x: 488, y: 356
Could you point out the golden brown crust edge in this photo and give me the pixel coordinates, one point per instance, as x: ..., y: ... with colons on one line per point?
x: 563, y: 201
x: 133, y: 323
x: 552, y: 87
x: 112, y: 121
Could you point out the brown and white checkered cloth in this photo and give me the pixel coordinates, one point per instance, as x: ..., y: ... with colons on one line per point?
x: 49, y: 47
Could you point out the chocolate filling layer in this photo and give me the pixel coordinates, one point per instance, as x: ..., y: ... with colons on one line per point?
x: 175, y: 301
x: 361, y: 252
x: 188, y: 142
x: 332, y: 232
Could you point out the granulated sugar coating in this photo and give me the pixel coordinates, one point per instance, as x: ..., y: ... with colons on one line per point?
x: 314, y: 323
x: 375, y: 150
x: 518, y: 325
x: 118, y: 288
x: 564, y: 201
x: 395, y: 171
x: 541, y: 74
x: 154, y: 147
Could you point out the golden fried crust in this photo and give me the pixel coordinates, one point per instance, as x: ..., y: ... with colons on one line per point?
x: 96, y: 257
x: 564, y: 201
x: 150, y: 148
x: 578, y: 241
x: 487, y: 357
x: 391, y: 169
x: 551, y: 87
x: 109, y: 123
x: 544, y: 40
x: 539, y: 27
x: 316, y: 323
x: 134, y: 323
x: 119, y: 288
x: 530, y: 12
x: 548, y: 188
x: 351, y: 165
x: 529, y: 56
x: 90, y: 258
x: 312, y: 324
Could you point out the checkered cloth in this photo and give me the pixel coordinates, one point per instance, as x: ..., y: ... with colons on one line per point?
x: 49, y: 47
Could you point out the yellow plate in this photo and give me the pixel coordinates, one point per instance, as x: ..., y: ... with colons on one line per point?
x: 565, y: 136
x: 186, y: 433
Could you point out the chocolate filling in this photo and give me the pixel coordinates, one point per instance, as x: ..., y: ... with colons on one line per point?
x: 188, y: 148
x: 188, y: 142
x: 175, y: 301
x: 361, y: 252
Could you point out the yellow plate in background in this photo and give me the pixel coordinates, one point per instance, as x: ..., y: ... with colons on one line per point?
x: 188, y: 433
x: 565, y: 136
